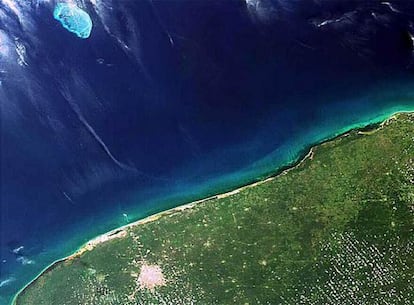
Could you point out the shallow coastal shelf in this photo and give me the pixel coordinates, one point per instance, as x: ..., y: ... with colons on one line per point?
x: 335, y: 229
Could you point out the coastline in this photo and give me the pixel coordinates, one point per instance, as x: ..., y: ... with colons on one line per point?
x: 306, y: 154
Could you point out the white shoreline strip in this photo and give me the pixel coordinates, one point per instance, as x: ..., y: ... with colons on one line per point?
x: 121, y: 231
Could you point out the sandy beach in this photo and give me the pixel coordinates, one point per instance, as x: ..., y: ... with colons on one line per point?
x: 122, y: 231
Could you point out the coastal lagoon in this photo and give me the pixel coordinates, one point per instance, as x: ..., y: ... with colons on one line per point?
x: 171, y: 101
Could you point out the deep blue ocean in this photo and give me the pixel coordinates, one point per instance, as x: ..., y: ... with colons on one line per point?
x: 174, y: 100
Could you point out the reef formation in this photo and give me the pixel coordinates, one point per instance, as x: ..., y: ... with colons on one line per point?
x: 74, y: 19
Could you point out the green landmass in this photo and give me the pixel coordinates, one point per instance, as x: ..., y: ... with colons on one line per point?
x: 335, y: 229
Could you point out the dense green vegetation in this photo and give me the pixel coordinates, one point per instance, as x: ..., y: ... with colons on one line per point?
x: 336, y: 229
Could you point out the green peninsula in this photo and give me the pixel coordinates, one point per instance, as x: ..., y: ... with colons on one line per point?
x: 335, y: 229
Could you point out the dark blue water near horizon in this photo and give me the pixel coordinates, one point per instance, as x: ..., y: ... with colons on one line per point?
x: 171, y: 101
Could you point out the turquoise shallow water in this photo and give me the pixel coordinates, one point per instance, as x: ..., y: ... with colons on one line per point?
x: 69, y: 241
x: 73, y: 19
x: 260, y: 170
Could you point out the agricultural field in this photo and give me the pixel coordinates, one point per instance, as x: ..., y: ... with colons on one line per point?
x: 337, y: 228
